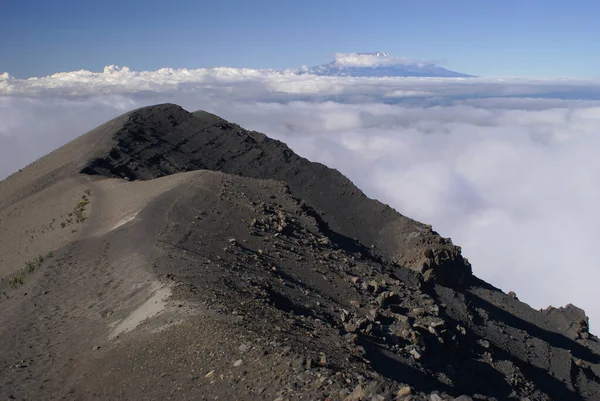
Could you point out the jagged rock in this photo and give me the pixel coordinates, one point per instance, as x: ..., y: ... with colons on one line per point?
x: 357, y: 394
x: 418, y: 311
x: 386, y: 298
x: 401, y: 318
x: 404, y: 391
x: 351, y: 327
x: 570, y: 319
x: 438, y: 324
x: 373, y: 315
x: 371, y: 286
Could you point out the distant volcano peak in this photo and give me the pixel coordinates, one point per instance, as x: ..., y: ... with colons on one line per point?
x: 381, y: 64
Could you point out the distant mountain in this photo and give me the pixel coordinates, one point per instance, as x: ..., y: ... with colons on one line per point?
x: 380, y: 64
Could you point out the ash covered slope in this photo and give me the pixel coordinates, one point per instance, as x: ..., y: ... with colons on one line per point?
x: 485, y: 342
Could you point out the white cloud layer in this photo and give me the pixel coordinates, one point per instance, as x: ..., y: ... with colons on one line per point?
x: 506, y: 167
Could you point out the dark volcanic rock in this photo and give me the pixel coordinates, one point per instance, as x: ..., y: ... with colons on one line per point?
x: 572, y: 321
x: 165, y: 139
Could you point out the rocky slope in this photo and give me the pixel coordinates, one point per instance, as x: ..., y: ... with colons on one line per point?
x: 169, y: 254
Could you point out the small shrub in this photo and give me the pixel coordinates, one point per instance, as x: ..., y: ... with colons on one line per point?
x: 29, y: 267
x: 79, y: 209
x: 16, y: 280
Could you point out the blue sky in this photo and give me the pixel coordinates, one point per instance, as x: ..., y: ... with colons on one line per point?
x: 489, y: 38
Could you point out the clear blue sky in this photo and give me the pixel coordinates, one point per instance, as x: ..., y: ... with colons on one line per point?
x: 483, y: 37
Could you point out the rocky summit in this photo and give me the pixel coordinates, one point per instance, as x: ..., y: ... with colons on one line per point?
x: 176, y: 255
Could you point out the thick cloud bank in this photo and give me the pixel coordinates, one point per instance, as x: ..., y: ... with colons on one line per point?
x: 506, y: 167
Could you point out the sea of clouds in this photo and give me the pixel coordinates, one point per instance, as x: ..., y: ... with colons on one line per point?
x: 506, y: 167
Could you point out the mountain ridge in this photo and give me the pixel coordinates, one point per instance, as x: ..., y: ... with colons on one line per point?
x: 168, y: 252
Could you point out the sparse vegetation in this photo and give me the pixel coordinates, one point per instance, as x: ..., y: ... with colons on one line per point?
x: 15, y: 281
x: 28, y: 268
x: 80, y: 209
x: 78, y: 212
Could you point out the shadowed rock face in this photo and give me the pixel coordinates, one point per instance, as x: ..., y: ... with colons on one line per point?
x: 165, y: 139
x: 193, y: 257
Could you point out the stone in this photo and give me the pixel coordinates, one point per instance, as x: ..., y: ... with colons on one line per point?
x: 402, y: 318
x: 373, y: 315
x: 385, y: 298
x: 238, y: 363
x: 350, y: 337
x: 438, y: 324
x: 429, y: 275
x: 350, y: 327
x: 373, y: 286
x: 418, y: 311
x: 415, y: 354
x: 404, y: 391
x: 357, y: 394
